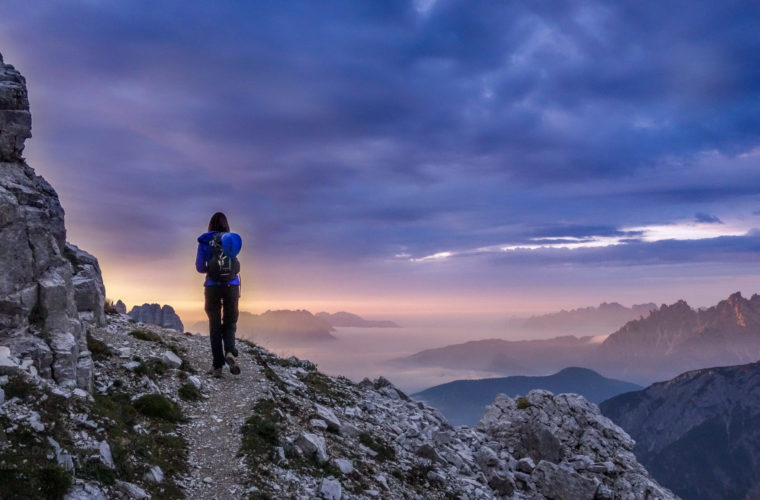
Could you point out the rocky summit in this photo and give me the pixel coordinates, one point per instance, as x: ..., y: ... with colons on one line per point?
x: 96, y: 406
x: 155, y: 314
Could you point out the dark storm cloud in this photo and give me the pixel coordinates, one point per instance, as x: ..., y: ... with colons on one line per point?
x: 353, y: 129
x: 707, y: 218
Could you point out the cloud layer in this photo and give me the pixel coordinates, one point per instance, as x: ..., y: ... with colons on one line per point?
x: 351, y: 132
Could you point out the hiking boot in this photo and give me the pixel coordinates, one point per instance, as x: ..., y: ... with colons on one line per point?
x: 215, y: 372
x: 234, y: 368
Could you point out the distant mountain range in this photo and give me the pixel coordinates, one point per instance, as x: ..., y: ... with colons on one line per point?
x: 668, y: 341
x: 532, y: 357
x: 698, y: 434
x: 273, y: 327
x: 608, y: 317
x: 463, y: 401
x: 682, y: 338
x: 346, y: 319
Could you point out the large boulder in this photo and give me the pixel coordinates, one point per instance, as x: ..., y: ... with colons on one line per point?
x: 39, y: 314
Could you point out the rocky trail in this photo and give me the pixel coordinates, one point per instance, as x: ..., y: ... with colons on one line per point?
x: 213, y: 431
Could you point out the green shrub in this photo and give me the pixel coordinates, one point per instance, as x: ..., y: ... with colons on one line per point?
x: 17, y: 387
x: 30, y: 480
x: 146, y: 335
x: 323, y: 385
x: 260, y: 436
x: 151, y: 368
x: 132, y: 451
x: 523, y: 403
x: 99, y: 349
x: 189, y: 392
x: 384, y: 450
x: 158, y: 406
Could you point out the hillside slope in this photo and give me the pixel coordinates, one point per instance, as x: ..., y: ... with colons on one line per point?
x: 698, y: 433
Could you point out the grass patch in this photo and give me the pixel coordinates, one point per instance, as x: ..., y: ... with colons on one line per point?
x: 416, y: 476
x: 384, y: 450
x: 523, y: 403
x: 269, y: 373
x: 17, y: 387
x: 158, y: 406
x: 260, y: 437
x: 186, y: 366
x: 260, y: 432
x: 99, y: 349
x: 135, y: 452
x: 146, y: 335
x: 324, y: 386
x: 151, y: 368
x: 260, y: 495
x: 25, y: 470
x: 188, y: 392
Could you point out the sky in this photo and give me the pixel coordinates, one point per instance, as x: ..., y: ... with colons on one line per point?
x: 403, y: 158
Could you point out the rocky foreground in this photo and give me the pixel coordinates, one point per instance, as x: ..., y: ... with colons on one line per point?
x: 157, y: 426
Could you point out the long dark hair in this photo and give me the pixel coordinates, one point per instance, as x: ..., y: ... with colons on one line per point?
x: 219, y: 223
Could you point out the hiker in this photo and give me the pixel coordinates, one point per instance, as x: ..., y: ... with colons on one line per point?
x: 217, y: 251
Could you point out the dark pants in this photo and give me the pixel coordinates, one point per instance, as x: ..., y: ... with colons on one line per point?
x: 222, y: 311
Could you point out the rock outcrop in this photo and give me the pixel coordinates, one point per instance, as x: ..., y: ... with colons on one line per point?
x: 89, y: 290
x: 155, y: 314
x: 49, y: 293
x: 698, y: 433
x: 120, y: 307
x: 15, y: 118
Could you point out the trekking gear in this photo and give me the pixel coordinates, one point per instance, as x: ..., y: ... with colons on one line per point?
x: 234, y: 368
x: 221, y: 266
x: 215, y: 372
x: 231, y: 243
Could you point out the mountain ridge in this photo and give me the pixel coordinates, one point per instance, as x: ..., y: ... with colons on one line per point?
x: 591, y: 320
x: 346, y: 319
x: 668, y: 341
x: 464, y: 401
x: 715, y: 408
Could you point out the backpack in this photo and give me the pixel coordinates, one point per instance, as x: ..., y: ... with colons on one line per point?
x: 221, y: 267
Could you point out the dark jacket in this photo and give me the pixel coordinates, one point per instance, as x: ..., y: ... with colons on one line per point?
x: 204, y: 252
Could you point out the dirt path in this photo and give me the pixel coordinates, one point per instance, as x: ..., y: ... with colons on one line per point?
x: 213, y: 430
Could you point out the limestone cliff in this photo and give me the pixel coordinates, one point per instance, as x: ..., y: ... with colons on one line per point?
x: 49, y: 292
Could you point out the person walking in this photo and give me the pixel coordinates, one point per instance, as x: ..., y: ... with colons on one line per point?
x: 217, y: 257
